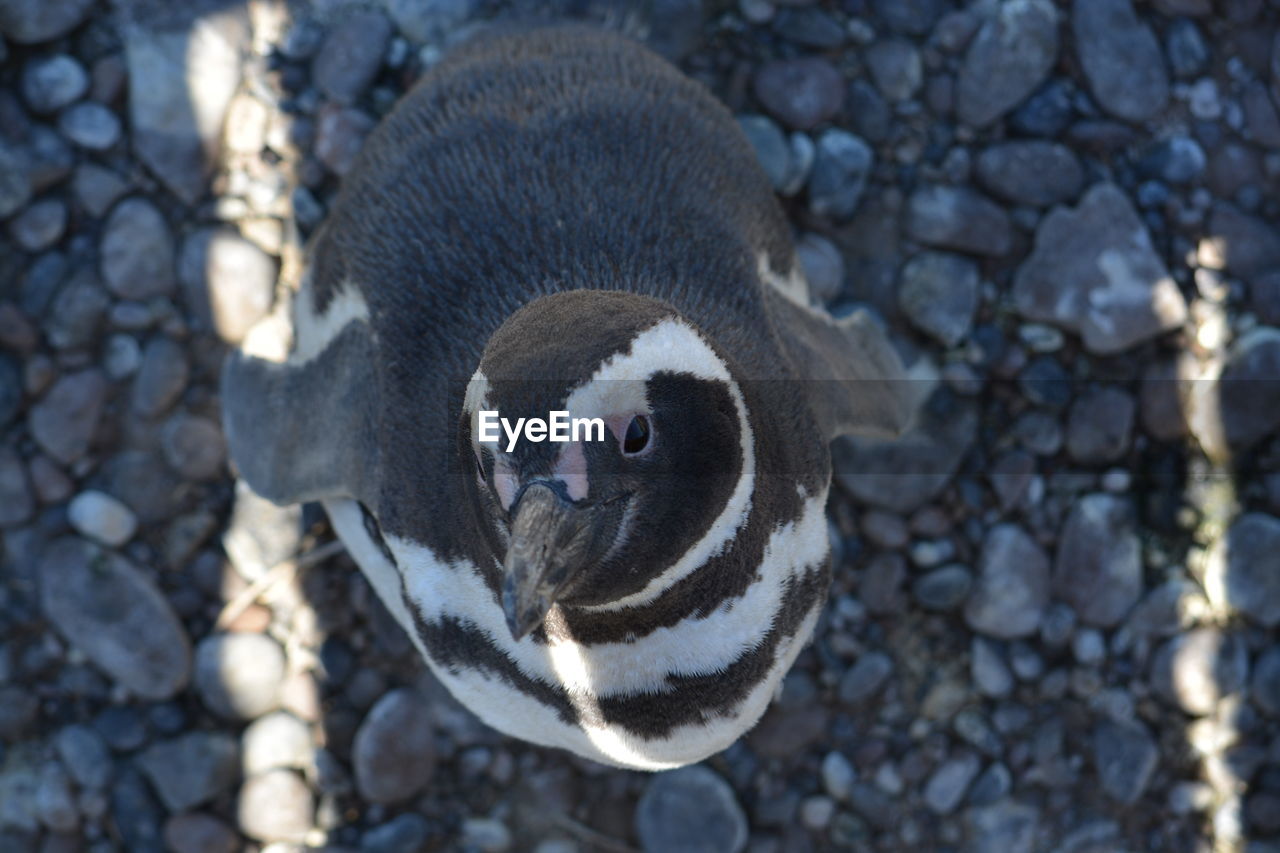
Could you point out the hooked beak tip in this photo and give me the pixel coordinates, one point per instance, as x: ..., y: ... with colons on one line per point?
x: 524, y: 613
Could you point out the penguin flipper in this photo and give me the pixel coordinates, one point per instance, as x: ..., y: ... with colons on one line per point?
x: 300, y: 430
x: 855, y: 380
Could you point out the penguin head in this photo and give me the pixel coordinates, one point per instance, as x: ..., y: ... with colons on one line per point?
x: 648, y: 471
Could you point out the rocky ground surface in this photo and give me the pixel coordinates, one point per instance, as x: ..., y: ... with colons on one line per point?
x: 1054, y: 631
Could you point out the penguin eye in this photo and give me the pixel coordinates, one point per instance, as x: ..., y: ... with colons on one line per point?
x: 637, y: 437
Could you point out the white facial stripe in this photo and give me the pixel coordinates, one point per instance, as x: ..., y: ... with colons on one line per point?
x: 618, y: 386
x: 314, y: 332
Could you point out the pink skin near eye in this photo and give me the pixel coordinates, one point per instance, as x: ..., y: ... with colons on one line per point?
x: 618, y: 425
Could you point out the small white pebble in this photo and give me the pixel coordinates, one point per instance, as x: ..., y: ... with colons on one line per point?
x: 102, y: 517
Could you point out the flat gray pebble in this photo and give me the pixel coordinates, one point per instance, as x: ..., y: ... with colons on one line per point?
x: 865, y: 678
x: 351, y: 55
x: 690, y: 810
x: 943, y: 589
x: 394, y: 750
x: 1098, y: 569
x: 402, y: 834
x: 137, y: 254
x: 1099, y: 426
x: 49, y: 83
x: 1120, y: 58
x: 194, y: 447
x: 85, y: 755
x: 1012, y: 588
x: 801, y: 93
x: 1032, y: 172
x: 102, y: 518
x: 1006, y: 826
x: 1009, y: 58
x: 197, y: 832
x: 161, y: 379
x: 40, y: 225
x: 938, y: 292
x: 949, y: 783
x: 90, y: 126
x: 841, y: 165
x: 1125, y: 756
x: 957, y: 218
x: 16, y: 499
x: 33, y: 21
x: 191, y: 769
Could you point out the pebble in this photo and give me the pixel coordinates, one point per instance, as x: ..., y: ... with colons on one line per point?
x: 987, y: 667
x: 801, y: 93
x: 823, y: 267
x: 687, y: 810
x: 64, y: 420
x: 403, y: 834
x: 991, y: 785
x: 275, y: 806
x: 938, y: 292
x: 15, y: 183
x: 198, y: 832
x: 85, y: 755
x: 101, y: 517
x: 1088, y: 647
x: 1175, y: 159
x: 842, y: 163
x: 949, y: 783
x: 1099, y: 425
x: 238, y: 676
x: 97, y: 188
x: 50, y: 83
x: 865, y: 678
x: 136, y: 251
x: 54, y: 802
x: 1243, y: 568
x: 40, y: 225
x: 277, y: 740
x: 1262, y: 115
x: 1006, y: 826
x: 1195, y: 670
x: 1012, y: 588
x: 77, y: 312
x: 771, y: 147
x: 431, y: 22
x: 914, y: 17
x: 1247, y: 394
x: 816, y: 812
x: 1032, y: 172
x: 1125, y: 756
x: 91, y: 126
x: 486, y: 835
x: 135, y: 813
x: 1095, y: 272
x: 838, y: 776
x: 1186, y: 48
x: 340, y: 133
x: 1241, y: 244
x: 943, y: 589
x: 1265, y: 686
x: 228, y: 281
x: 958, y: 218
x: 351, y: 55
x: 191, y: 769
x: 869, y: 114
x: 194, y: 447
x: 122, y: 357
x: 1099, y: 564
x: 1009, y: 58
x: 896, y: 68
x: 1047, y: 113
x: 161, y: 378
x: 394, y: 753
x: 16, y: 500
x: 1120, y: 58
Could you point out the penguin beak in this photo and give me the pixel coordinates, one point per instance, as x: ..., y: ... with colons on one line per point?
x: 550, y: 540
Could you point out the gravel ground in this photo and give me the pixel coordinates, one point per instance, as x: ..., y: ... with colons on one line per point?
x: 1055, y: 630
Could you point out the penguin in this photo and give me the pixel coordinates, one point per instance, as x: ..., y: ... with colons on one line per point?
x: 559, y: 221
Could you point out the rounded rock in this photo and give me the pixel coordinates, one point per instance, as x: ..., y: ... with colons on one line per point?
x: 801, y: 93
x: 394, y: 749
x: 1243, y: 569
x: 690, y: 810
x: 194, y: 447
x: 277, y: 740
x: 137, y: 251
x: 102, y: 517
x: 196, y: 832
x: 40, y: 225
x: 1012, y: 588
x: 91, y: 126
x: 275, y: 806
x: 238, y: 676
x: 1197, y: 669
x: 51, y: 82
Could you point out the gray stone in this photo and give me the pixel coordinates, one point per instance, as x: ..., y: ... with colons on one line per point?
x: 1239, y: 243
x: 896, y: 68
x: 181, y: 82
x: 77, y: 312
x: 865, y: 678
x: 1186, y: 48
x: 54, y: 801
x: 141, y: 479
x: 16, y: 501
x: 690, y: 810
x: 957, y: 218
x: 823, y: 267
x: 1098, y: 426
x: 801, y: 93
x: 122, y: 357
x: 987, y: 667
x: 137, y: 251
x: 1247, y: 393
x: 340, y: 133
x: 102, y: 518
x: 108, y: 608
x: 408, y: 832
x: 949, y: 783
x: 943, y: 589
x: 97, y: 188
x: 191, y: 769
x: 64, y: 420
x: 869, y: 113
x: 1195, y: 670
x: 1031, y: 172
x: 1261, y: 115
x: 904, y: 473
x: 486, y: 834
x: 838, y: 776
x: 1264, y: 297
x: 85, y: 755
x: 1008, y: 59
x: 810, y: 27
x: 194, y: 447
x: 197, y: 832
x: 49, y: 83
x: 238, y: 676
x: 90, y: 126
x: 938, y: 292
x: 1125, y: 756
x: 915, y: 17
x: 1265, y: 686
x: 351, y: 55
x: 1099, y: 564
x: 394, y: 752
x: 1094, y: 272
x: 277, y: 740
x: 1243, y: 568
x: 228, y: 281
x: 994, y: 783
x: 1012, y: 588
x: 15, y: 183
x: 161, y: 379
x: 275, y: 806
x: 430, y: 21
x: 1006, y: 826
x: 40, y: 225
x: 841, y: 166
x: 1176, y: 159
x: 33, y: 21
x: 1120, y: 58
x: 771, y: 147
